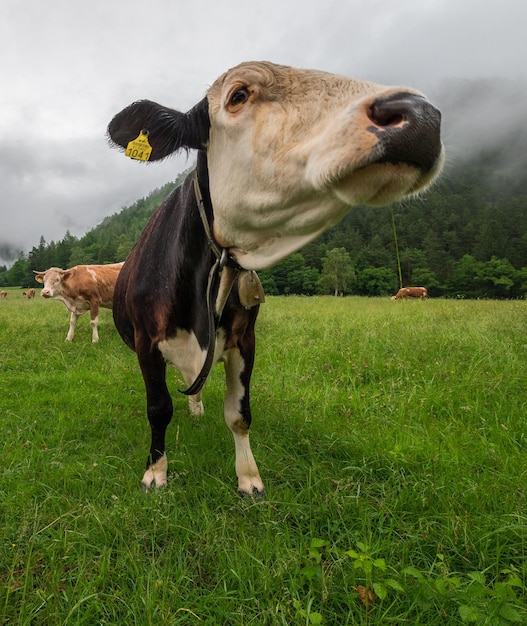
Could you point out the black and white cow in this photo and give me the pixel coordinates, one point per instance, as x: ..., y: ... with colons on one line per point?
x: 283, y: 154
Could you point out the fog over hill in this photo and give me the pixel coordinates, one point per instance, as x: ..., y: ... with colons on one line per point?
x: 485, y: 116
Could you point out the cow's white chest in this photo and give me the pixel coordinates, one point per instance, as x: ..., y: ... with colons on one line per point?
x: 74, y: 305
x: 186, y: 355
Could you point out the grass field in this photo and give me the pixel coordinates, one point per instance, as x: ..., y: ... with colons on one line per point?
x: 391, y: 437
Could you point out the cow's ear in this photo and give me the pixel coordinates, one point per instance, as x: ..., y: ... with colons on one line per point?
x: 168, y: 130
x: 39, y: 276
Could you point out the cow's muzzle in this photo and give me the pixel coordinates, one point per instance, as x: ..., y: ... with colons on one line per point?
x: 409, y: 130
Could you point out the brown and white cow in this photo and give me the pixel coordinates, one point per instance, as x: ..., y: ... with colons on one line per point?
x: 283, y: 154
x: 3, y: 294
x: 420, y: 293
x: 29, y: 294
x: 82, y: 288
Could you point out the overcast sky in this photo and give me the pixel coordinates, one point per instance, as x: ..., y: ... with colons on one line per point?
x: 67, y: 67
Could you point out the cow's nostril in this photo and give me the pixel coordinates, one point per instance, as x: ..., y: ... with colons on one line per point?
x: 385, y: 116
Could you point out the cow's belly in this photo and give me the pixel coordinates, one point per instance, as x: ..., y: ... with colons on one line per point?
x: 185, y: 354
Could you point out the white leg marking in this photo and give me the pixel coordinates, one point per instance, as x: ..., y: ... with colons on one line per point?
x: 249, y: 481
x: 156, y: 474
x: 95, y: 334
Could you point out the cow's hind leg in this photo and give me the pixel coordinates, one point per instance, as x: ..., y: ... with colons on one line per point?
x: 94, y: 321
x: 195, y: 405
x: 159, y: 411
x: 238, y: 417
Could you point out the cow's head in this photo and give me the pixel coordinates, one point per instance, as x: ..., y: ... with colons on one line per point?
x: 289, y: 151
x: 52, y: 281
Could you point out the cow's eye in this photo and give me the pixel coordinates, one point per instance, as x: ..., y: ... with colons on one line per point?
x: 240, y: 96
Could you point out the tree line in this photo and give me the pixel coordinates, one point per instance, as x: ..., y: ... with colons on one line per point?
x: 464, y: 238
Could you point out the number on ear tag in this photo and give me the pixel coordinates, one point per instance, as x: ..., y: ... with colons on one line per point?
x: 139, y: 148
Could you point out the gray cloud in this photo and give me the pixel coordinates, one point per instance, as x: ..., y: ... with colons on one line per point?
x: 9, y: 252
x: 67, y: 68
x: 483, y: 115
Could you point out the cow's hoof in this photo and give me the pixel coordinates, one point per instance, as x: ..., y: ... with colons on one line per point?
x: 149, y: 486
x: 156, y: 474
x: 254, y: 493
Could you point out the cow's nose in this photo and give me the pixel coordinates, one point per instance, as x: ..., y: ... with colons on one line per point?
x: 45, y: 293
x: 409, y: 130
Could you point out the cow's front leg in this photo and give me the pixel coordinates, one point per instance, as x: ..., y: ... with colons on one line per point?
x: 73, y: 323
x: 238, y: 417
x: 159, y: 411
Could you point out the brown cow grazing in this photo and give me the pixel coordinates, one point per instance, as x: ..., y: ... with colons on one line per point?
x: 3, y: 294
x: 82, y: 288
x: 30, y: 294
x: 283, y: 154
x: 411, y: 292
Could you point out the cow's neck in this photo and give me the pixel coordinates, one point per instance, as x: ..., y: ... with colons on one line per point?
x: 206, y: 212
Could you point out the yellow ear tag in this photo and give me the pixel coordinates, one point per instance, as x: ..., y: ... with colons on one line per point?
x: 139, y: 148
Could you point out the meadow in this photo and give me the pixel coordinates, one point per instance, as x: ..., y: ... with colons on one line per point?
x: 391, y: 437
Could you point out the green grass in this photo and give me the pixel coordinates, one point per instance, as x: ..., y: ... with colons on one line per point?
x: 391, y: 437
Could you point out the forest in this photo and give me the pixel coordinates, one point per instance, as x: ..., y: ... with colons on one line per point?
x: 464, y: 238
